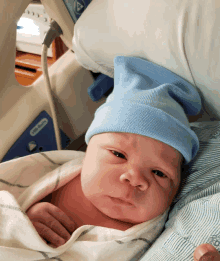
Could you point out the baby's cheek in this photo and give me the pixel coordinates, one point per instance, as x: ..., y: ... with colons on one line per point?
x: 173, y: 191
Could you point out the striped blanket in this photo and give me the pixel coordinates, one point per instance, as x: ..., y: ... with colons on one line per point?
x: 27, y: 180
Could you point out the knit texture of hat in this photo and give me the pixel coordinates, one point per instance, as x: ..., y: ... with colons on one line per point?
x: 151, y: 101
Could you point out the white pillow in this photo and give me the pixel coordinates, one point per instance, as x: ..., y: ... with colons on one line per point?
x: 182, y: 36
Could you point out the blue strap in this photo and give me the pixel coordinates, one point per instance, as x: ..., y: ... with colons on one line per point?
x: 100, y: 86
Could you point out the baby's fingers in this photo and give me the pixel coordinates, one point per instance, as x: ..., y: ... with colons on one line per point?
x: 56, y: 226
x: 206, y: 252
x: 48, y: 234
x: 59, y: 215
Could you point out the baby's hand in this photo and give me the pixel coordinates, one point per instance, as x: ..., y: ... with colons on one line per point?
x: 51, y: 223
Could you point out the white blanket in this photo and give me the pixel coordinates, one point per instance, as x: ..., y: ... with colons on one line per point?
x: 27, y: 180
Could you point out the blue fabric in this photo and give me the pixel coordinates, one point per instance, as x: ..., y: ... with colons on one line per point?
x: 149, y: 100
x: 194, y: 218
x: 100, y: 86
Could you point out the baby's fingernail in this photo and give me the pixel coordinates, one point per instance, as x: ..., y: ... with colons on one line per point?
x: 207, y: 257
x: 73, y: 227
x: 67, y: 238
x: 61, y: 242
x: 204, y: 250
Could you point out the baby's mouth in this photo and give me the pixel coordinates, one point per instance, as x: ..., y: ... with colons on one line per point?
x: 121, y: 201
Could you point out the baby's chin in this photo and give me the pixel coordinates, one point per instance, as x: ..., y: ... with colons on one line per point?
x: 131, y: 221
x: 137, y: 221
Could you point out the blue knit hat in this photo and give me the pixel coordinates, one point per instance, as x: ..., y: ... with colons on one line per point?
x: 151, y: 101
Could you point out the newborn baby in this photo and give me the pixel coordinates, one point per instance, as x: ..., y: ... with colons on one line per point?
x: 132, y: 167
x: 118, y: 187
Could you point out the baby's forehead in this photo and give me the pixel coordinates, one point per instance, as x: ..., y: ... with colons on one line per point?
x: 128, y: 137
x: 126, y: 140
x: 134, y: 139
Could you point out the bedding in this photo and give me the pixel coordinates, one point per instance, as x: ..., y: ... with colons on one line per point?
x: 193, y: 219
x: 19, y: 240
x: 182, y: 36
x: 195, y: 213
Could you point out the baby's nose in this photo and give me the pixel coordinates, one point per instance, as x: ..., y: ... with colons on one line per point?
x: 135, y: 179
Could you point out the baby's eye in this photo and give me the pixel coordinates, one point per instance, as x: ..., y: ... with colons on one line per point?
x: 159, y: 173
x: 118, y: 154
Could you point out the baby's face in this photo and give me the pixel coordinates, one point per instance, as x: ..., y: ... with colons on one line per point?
x: 130, y: 177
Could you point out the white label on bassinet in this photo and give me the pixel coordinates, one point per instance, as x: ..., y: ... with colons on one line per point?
x: 38, y: 127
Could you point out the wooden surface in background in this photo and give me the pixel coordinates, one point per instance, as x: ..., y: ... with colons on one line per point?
x: 28, y: 66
